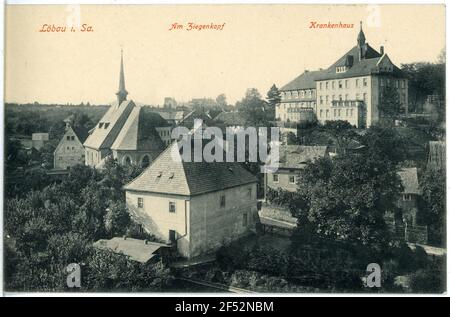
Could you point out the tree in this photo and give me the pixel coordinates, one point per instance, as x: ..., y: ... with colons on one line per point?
x: 384, y: 144
x: 273, y: 99
x: 253, y: 108
x: 346, y: 198
x: 432, y: 182
x: 341, y: 132
x: 117, y: 219
x: 221, y: 101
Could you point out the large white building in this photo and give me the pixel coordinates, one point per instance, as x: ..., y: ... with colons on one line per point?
x: 198, y: 206
x: 351, y: 89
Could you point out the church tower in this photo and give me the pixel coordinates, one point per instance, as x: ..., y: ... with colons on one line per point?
x: 122, y: 93
x: 361, y: 42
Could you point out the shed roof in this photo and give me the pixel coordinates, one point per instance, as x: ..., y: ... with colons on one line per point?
x: 137, y: 250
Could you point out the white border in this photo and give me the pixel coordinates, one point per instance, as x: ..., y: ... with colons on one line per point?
x: 259, y: 295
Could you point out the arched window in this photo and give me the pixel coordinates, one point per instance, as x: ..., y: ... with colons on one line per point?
x: 145, y: 161
x: 126, y: 160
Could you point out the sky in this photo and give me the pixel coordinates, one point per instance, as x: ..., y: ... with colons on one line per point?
x: 259, y: 45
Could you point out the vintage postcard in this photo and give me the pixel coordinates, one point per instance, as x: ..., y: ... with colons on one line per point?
x: 234, y: 149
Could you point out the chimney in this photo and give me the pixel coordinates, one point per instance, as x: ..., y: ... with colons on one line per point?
x: 382, y: 50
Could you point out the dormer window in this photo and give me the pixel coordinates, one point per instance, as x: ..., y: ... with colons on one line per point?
x: 100, y: 125
x: 106, y: 125
x: 341, y: 69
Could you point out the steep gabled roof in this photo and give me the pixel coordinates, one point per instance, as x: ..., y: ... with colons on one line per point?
x: 139, y: 133
x: 409, y: 180
x: 304, y: 81
x: 366, y: 66
x: 69, y: 130
x: 109, y: 126
x: 168, y: 174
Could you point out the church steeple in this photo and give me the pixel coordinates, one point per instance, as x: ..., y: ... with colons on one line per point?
x: 361, y: 42
x: 122, y: 92
x: 361, y: 37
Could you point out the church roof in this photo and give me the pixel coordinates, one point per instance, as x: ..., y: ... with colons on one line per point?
x: 109, y: 126
x: 304, y: 81
x: 138, y: 133
x: 169, y: 174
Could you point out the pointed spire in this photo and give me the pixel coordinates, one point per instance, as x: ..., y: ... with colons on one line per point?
x: 122, y: 93
x: 361, y: 37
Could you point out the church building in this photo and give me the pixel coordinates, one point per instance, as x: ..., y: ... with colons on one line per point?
x: 127, y: 132
x: 351, y: 89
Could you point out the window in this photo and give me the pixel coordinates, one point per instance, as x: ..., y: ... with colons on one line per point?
x: 222, y: 201
x: 357, y: 83
x: 346, y: 83
x: 321, y: 113
x: 68, y: 138
x: 140, y: 202
x: 249, y: 193
x: 320, y: 85
x: 326, y: 100
x: 106, y: 125
x: 339, y: 113
x: 326, y: 85
x: 275, y: 178
x: 291, y: 179
x: 340, y: 84
x: 327, y: 113
x: 100, y: 125
x: 172, y: 206
x: 332, y: 84
x: 72, y: 138
x: 334, y: 112
x: 172, y: 235
x: 244, y: 219
x: 365, y: 82
x: 321, y: 100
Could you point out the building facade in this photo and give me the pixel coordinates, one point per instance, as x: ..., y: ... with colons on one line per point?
x: 351, y: 89
x: 293, y: 158
x: 198, y: 206
x: 70, y: 150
